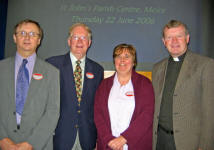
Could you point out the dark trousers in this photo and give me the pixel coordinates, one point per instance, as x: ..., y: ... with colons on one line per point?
x: 165, y: 140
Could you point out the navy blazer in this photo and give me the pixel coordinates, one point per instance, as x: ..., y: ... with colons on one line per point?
x: 72, y: 116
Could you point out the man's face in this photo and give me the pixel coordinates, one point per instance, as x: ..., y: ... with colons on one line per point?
x: 27, y: 39
x: 79, y: 42
x: 176, y: 40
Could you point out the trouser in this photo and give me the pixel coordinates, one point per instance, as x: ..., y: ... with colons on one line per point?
x: 77, y: 143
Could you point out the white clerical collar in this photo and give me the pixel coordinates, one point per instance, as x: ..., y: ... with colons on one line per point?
x: 176, y: 59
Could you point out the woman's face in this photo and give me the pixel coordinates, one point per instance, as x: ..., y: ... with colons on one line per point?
x: 124, y: 62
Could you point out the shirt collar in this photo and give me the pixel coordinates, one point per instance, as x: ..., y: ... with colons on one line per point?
x: 74, y: 59
x: 116, y: 81
x: 177, y: 59
x: 31, y: 59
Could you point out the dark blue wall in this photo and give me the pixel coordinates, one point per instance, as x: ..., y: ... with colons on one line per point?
x: 3, y: 17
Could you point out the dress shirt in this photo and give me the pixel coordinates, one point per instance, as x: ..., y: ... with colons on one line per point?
x: 121, y: 105
x: 82, y: 65
x: 30, y: 65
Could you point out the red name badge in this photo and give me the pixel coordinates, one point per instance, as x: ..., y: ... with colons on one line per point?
x: 89, y: 75
x: 37, y: 76
x: 129, y: 93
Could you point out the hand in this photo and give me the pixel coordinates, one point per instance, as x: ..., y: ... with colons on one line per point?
x: 117, y: 143
x: 7, y: 144
x: 24, y: 146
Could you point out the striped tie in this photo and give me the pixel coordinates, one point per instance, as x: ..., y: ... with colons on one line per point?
x: 78, y: 80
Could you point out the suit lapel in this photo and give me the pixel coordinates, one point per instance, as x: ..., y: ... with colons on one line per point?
x: 162, y: 76
x: 35, y: 84
x: 11, y: 83
x: 85, y: 83
x: 186, y: 70
x: 67, y: 73
x: 11, y: 92
x: 159, y: 83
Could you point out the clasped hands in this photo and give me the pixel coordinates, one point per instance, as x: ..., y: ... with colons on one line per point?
x: 8, y: 144
x: 117, y: 143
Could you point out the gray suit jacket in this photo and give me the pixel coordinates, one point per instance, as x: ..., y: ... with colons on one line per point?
x: 193, y: 102
x: 41, y: 110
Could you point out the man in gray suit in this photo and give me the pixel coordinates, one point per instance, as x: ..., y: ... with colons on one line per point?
x: 30, y: 94
x: 184, y: 95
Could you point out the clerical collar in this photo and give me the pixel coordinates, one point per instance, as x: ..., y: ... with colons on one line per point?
x: 179, y: 58
x: 175, y: 58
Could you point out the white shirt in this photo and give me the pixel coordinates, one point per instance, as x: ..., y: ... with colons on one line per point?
x: 121, y: 105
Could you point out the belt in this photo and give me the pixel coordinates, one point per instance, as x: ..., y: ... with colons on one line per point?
x: 165, y: 130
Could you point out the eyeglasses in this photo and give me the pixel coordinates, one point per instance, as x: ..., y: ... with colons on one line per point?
x: 25, y: 34
x: 76, y: 38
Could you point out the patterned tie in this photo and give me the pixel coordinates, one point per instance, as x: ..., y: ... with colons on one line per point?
x: 78, y: 80
x: 22, y: 85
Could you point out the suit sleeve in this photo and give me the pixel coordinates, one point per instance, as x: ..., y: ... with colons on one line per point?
x: 207, y: 108
x: 141, y: 125
x: 46, y: 126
